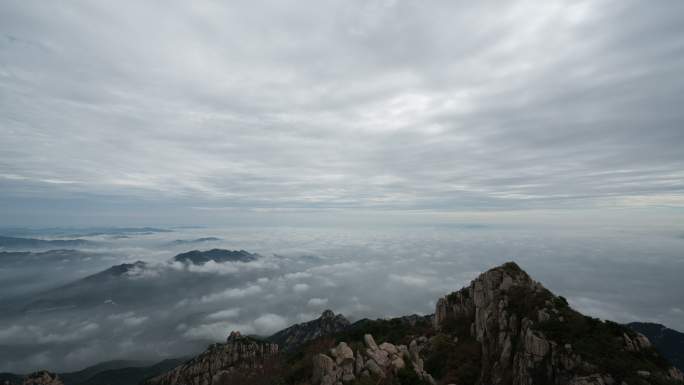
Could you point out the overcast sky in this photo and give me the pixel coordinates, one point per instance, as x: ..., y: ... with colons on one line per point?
x: 210, y: 109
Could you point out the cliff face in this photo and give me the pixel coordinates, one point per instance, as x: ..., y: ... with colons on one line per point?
x: 239, y: 355
x: 528, y: 336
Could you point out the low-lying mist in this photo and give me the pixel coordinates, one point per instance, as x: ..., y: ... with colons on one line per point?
x: 54, y: 318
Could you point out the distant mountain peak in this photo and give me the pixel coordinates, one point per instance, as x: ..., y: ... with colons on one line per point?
x: 14, y: 243
x: 198, y: 257
x: 122, y: 269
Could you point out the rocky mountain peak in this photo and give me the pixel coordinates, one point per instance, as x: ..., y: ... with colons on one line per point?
x: 327, y: 314
x: 530, y: 336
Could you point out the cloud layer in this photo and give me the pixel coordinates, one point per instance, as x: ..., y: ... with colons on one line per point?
x: 338, y: 104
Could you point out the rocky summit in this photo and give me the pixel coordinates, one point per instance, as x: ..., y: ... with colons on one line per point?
x: 529, y: 336
x: 294, y: 336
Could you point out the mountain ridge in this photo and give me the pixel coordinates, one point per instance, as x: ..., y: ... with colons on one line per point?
x: 17, y: 243
x: 298, y: 334
x: 114, y: 372
x: 196, y: 240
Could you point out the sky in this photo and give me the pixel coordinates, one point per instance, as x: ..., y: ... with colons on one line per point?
x: 113, y: 113
x: 376, y: 154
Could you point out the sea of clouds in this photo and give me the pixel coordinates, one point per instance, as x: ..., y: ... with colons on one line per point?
x: 51, y: 319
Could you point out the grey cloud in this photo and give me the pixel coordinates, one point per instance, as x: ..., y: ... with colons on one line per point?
x: 344, y: 104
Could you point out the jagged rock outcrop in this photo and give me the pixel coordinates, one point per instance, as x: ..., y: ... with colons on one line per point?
x: 528, y: 336
x: 345, y: 366
x: 327, y: 324
x: 241, y: 354
x: 42, y: 377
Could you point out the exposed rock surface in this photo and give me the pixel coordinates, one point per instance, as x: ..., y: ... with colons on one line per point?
x: 509, y: 314
x: 239, y: 353
x: 327, y: 324
x: 42, y: 377
x: 344, y: 366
